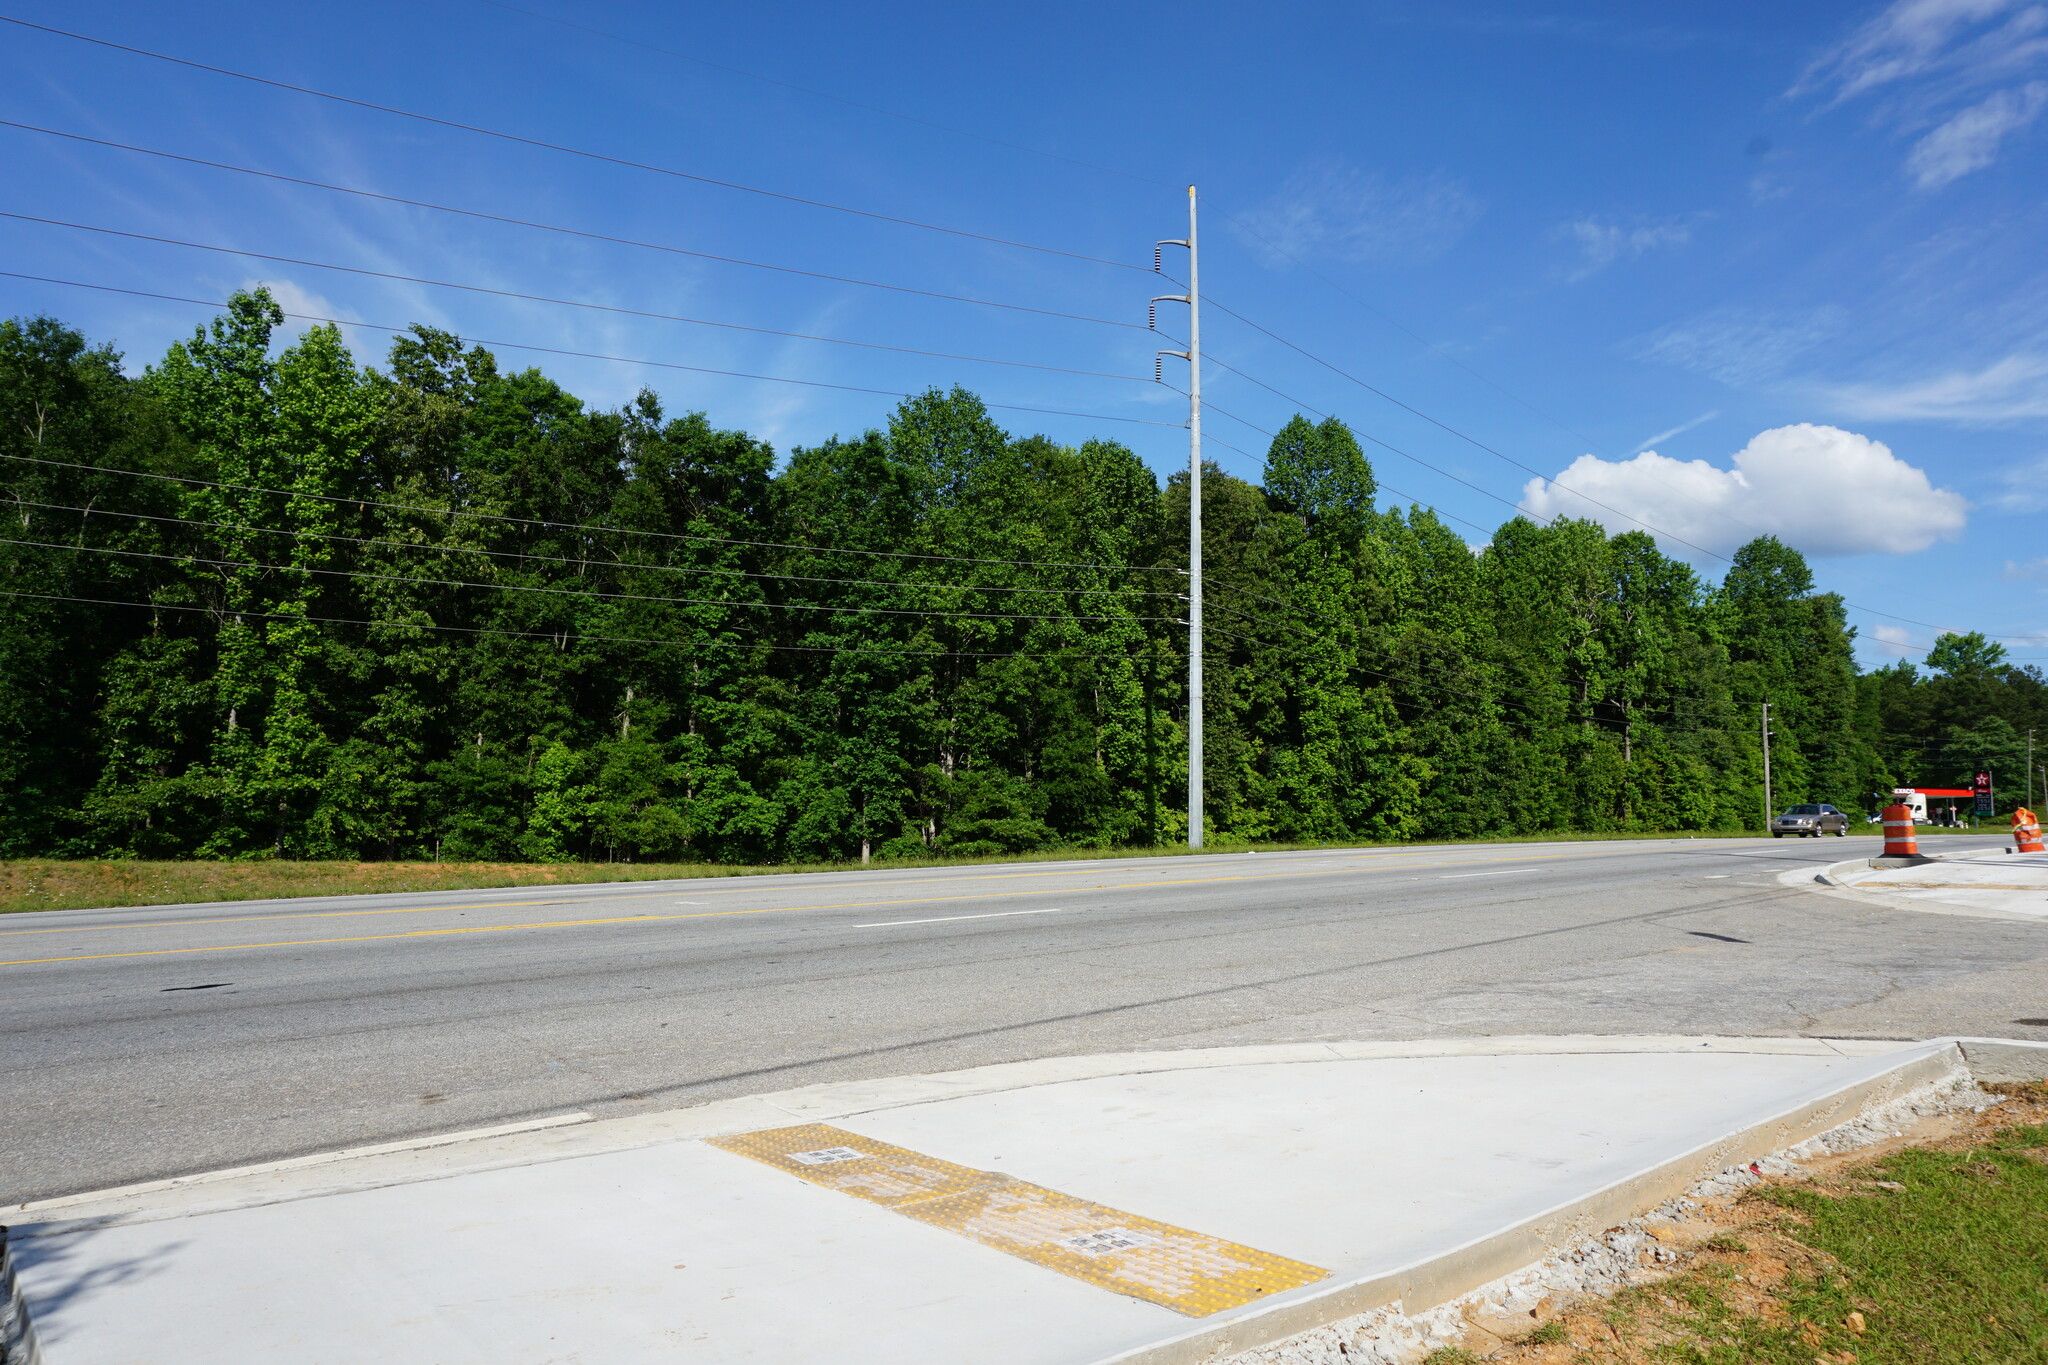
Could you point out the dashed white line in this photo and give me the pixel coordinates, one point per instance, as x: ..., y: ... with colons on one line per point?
x: 1453, y: 876
x: 947, y: 919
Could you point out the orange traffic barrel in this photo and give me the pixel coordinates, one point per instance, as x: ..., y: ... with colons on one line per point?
x: 1898, y: 832
x: 2026, y: 831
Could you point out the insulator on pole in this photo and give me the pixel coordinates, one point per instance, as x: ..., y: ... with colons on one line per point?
x: 1152, y: 316
x: 1156, y: 267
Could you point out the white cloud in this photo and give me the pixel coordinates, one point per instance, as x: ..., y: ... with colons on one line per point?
x: 2032, y: 571
x: 1602, y: 244
x: 2015, y: 387
x: 1329, y: 209
x: 1969, y: 141
x: 1896, y: 641
x: 1823, y: 490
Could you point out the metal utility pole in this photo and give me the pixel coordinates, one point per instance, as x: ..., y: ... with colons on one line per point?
x: 1766, y: 728
x: 1193, y: 356
x: 2030, y: 770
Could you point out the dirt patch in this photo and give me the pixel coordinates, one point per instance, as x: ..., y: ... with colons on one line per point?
x: 1830, y: 1264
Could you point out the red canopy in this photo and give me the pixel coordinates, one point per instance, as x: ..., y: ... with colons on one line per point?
x: 1945, y: 791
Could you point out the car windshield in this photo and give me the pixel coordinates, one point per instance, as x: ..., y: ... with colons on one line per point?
x: 1804, y: 810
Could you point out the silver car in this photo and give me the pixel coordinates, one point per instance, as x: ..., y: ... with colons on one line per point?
x: 1809, y: 822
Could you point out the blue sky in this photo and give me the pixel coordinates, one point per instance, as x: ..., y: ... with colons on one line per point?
x: 1794, y: 251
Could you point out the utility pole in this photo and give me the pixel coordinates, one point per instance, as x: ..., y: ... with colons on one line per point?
x: 2030, y: 770
x: 1193, y: 356
x: 1766, y: 728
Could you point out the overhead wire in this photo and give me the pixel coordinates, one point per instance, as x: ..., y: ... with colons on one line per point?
x: 563, y: 148
x: 565, y: 592
x: 566, y: 303
x: 436, y: 547
x: 562, y: 638
x: 580, y: 355
x: 580, y: 527
x: 823, y: 95
x: 568, y: 231
x: 733, y: 185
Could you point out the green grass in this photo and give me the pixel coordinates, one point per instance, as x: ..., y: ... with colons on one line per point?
x: 61, y: 884
x: 1953, y: 1266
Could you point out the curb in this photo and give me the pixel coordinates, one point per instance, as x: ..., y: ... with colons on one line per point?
x: 17, y: 1334
x: 1427, y: 1284
x: 1831, y: 878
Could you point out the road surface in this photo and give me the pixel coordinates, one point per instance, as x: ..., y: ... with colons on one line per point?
x: 148, y: 1042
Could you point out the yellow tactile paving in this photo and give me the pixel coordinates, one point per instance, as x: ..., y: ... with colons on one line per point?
x: 1189, y: 1272
x: 856, y: 1165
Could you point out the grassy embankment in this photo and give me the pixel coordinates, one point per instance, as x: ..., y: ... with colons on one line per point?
x: 1929, y: 1254
x: 58, y: 884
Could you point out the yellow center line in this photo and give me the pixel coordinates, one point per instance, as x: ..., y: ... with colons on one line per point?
x: 301, y: 914
x: 564, y: 900
x: 721, y: 914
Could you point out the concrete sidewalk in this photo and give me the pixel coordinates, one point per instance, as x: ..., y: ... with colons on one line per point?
x: 1986, y: 882
x: 1155, y: 1207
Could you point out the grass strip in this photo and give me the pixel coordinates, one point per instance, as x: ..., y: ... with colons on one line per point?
x: 1922, y: 1256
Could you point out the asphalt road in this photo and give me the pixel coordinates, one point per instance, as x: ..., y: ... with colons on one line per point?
x: 141, y: 1043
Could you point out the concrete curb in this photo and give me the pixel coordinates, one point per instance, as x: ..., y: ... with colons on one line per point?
x: 1830, y: 877
x: 1426, y: 1284
x: 17, y: 1334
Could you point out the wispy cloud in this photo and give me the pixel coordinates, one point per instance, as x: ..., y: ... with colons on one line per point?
x: 1932, y: 60
x: 1330, y: 209
x: 1896, y: 641
x: 1969, y: 141
x: 2024, y: 487
x: 1741, y: 347
x: 2010, y: 389
x: 1661, y: 437
x: 1601, y: 244
x: 2031, y: 571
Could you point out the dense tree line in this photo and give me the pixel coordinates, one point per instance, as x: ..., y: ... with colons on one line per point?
x: 265, y: 601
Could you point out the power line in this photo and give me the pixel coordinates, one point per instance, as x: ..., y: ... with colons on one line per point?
x: 444, y: 548
x: 1380, y: 486
x: 567, y: 303
x: 1414, y: 459
x: 562, y: 147
x: 1636, y: 705
x: 579, y: 355
x: 1436, y: 350
x: 1471, y: 440
x: 565, y: 231
x: 578, y: 527
x: 823, y: 95
x: 564, y: 592
x: 1554, y: 483
x: 560, y: 638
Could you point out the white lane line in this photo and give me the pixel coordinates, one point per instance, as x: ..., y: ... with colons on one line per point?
x: 1453, y: 876
x: 947, y: 919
